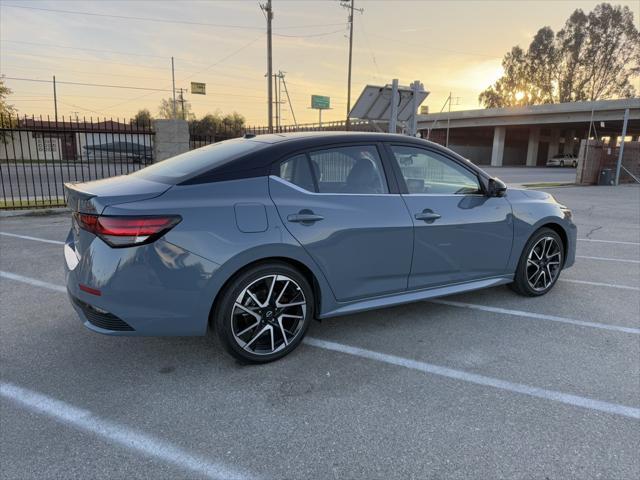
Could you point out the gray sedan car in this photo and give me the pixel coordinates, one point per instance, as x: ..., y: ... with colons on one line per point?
x: 256, y: 236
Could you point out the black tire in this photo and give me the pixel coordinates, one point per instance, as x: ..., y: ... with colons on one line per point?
x: 574, y: 164
x: 521, y: 283
x: 227, y: 317
x: 562, y: 163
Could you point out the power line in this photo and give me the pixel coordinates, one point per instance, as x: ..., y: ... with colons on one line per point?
x: 97, y: 50
x: 87, y: 84
x: 194, y: 74
x: 217, y: 62
x: 309, y: 35
x: 66, y: 70
x: 439, y: 49
x: 163, y: 20
x: 87, y: 60
x: 211, y: 93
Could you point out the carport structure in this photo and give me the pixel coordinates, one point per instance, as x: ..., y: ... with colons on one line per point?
x: 528, y: 136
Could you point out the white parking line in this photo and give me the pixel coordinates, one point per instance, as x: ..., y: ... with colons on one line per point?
x: 537, y: 316
x: 599, y: 284
x: 607, y: 241
x: 607, y: 259
x: 566, y: 398
x: 27, y: 237
x: 442, y: 371
x: 32, y: 281
x: 118, y: 434
x: 471, y: 306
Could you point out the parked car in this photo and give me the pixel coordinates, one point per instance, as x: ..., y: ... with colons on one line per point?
x: 122, y: 151
x: 563, y: 160
x: 257, y: 236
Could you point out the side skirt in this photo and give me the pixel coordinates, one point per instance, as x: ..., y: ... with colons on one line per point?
x: 414, y: 296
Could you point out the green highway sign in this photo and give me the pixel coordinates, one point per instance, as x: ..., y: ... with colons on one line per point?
x: 198, y: 88
x: 320, y: 102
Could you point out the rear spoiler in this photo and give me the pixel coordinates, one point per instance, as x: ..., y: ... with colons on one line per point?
x: 80, y: 200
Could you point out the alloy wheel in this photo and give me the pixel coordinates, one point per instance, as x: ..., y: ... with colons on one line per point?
x: 268, y: 314
x: 543, y: 263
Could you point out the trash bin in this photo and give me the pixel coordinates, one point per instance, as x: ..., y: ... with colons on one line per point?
x: 605, y: 177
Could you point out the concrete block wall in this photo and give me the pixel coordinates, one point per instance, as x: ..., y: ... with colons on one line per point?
x: 171, y: 138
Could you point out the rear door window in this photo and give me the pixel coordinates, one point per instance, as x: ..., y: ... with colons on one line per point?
x: 350, y: 170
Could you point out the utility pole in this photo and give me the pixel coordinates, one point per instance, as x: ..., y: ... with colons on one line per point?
x: 173, y: 79
x: 351, y: 7
x: 55, y: 99
x: 269, y: 14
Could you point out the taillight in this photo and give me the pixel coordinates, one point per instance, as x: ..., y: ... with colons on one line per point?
x: 127, y: 231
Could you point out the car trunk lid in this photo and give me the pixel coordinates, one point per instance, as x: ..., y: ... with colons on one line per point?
x: 93, y: 197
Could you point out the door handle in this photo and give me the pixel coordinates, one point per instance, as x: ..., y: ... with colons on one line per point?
x: 304, y: 217
x: 427, y: 216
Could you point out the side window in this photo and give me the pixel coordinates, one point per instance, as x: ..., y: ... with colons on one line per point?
x: 355, y: 169
x: 429, y: 172
x: 296, y: 170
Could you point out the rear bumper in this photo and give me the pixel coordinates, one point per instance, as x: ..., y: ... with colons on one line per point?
x: 155, y: 289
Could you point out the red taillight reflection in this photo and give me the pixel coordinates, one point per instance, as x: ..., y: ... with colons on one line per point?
x: 92, y: 291
x: 126, y: 231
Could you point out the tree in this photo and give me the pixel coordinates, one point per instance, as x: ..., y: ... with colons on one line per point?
x: 183, y: 109
x: 142, y: 118
x: 6, y: 110
x: 506, y: 90
x: 593, y: 57
x: 231, y: 124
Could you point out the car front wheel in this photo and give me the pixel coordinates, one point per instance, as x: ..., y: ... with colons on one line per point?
x: 540, y: 264
x: 264, y: 313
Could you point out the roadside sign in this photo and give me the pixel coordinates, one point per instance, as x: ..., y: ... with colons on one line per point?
x: 320, y: 102
x: 198, y: 88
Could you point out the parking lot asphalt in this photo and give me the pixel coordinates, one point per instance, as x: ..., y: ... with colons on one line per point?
x: 482, y: 385
x: 526, y: 175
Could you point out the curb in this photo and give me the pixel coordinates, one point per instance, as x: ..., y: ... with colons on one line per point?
x: 34, y: 212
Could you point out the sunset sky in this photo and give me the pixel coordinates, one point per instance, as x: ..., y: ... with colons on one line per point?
x: 449, y: 45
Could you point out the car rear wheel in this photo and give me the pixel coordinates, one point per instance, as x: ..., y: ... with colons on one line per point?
x: 264, y: 313
x: 540, y: 264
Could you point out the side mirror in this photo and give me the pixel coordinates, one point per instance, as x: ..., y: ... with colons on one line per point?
x: 496, y: 187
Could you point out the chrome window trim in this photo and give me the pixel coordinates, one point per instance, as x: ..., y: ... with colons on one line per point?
x: 302, y: 190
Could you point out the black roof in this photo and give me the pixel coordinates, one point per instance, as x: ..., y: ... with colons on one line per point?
x: 278, y: 146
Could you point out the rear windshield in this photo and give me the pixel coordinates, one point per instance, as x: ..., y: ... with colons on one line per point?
x: 181, y: 167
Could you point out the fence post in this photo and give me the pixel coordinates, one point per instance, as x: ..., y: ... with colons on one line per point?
x: 171, y: 138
